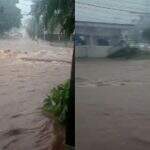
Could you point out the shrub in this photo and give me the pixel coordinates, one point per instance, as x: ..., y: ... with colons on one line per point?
x: 126, y: 53
x: 57, y: 102
x: 146, y: 34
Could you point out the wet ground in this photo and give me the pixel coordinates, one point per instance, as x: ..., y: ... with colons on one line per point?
x: 113, y: 104
x: 28, y: 70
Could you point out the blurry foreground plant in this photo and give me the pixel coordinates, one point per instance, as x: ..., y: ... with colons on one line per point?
x: 57, y: 102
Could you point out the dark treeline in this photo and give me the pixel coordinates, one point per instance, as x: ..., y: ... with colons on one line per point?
x: 51, y: 17
x: 10, y: 15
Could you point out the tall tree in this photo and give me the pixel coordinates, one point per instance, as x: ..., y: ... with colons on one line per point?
x: 10, y: 15
x: 55, y: 13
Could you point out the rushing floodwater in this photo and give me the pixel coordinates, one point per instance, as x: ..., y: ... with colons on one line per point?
x: 112, y: 104
x: 28, y: 70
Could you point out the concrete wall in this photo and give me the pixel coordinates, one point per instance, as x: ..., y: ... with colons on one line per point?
x: 113, y: 33
x: 92, y: 49
x: 96, y: 51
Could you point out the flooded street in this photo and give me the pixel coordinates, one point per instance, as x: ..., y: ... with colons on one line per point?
x: 112, y: 104
x: 28, y: 70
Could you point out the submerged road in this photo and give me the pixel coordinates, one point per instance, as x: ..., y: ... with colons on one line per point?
x: 28, y: 70
x: 113, y: 104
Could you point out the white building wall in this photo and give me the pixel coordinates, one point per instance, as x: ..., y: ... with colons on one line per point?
x: 112, y: 32
x: 93, y: 52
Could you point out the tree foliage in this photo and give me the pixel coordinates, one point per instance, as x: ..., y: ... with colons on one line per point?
x: 57, y: 102
x: 10, y: 15
x: 53, y: 14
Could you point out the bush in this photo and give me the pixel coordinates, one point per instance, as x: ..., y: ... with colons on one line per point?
x: 146, y: 34
x: 57, y: 102
x: 126, y: 53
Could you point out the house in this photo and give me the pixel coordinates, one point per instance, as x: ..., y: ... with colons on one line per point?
x: 103, y: 27
x: 99, y: 39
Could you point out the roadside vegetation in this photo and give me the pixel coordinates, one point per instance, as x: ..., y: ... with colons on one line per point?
x: 146, y: 34
x: 134, y: 52
x: 125, y: 53
x: 130, y: 53
x: 57, y: 102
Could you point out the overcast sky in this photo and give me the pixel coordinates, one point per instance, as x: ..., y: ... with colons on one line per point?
x: 25, y: 6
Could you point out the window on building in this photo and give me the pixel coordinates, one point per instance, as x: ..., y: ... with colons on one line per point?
x: 81, y: 40
x: 102, y: 41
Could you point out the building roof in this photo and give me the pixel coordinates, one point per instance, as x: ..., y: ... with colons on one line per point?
x: 111, y: 11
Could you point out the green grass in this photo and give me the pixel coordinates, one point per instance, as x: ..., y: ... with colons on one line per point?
x: 57, y: 101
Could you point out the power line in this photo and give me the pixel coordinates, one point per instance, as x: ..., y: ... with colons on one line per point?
x: 124, y: 1
x: 104, y: 7
x: 103, y: 11
x: 113, y: 19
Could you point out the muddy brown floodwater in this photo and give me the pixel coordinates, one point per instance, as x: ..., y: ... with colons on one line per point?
x: 28, y: 70
x: 113, y: 104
